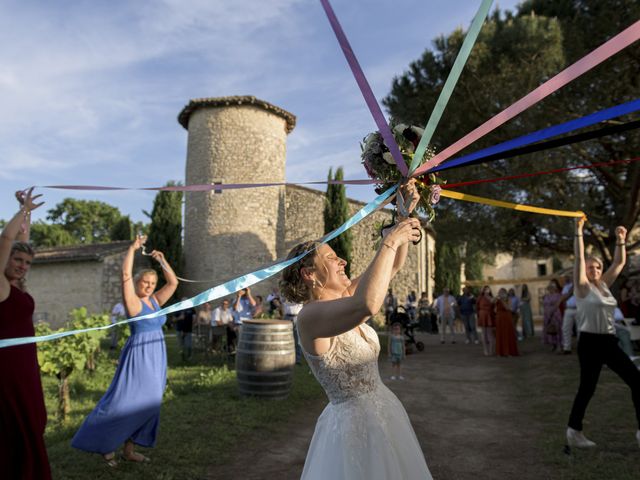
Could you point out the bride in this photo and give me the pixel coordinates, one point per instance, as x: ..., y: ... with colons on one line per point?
x: 364, y: 433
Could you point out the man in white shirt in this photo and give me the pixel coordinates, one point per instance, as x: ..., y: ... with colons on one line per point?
x: 446, y: 305
x: 569, y: 316
x: 223, y: 316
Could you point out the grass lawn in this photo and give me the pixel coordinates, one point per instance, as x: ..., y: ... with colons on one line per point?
x: 203, y: 419
x: 548, y: 388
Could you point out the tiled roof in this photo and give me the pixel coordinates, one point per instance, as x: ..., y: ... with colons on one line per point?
x: 80, y: 253
x: 183, y: 117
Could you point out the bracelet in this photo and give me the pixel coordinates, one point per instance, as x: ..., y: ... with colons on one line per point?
x: 620, y: 245
x: 25, y: 219
x: 389, y: 246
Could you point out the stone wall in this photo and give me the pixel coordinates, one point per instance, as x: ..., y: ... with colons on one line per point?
x: 59, y: 287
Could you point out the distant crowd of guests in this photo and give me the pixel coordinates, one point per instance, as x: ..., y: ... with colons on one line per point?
x: 499, y: 322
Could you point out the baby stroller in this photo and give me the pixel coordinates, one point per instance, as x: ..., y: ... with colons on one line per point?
x: 402, y: 317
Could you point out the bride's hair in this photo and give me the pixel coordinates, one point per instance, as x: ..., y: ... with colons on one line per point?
x: 292, y: 285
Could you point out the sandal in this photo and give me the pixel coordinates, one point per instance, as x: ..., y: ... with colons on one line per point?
x: 136, y: 457
x: 110, y: 459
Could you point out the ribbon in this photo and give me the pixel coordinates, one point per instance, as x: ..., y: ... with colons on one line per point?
x: 510, y: 148
x: 544, y: 172
x: 514, y: 206
x: 586, y: 63
x: 219, y: 291
x: 206, y: 187
x: 365, y: 89
x: 450, y: 83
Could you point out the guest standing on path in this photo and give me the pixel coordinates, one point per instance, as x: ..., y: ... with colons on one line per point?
x: 552, y: 328
x: 506, y: 342
x: 396, y: 351
x: 467, y: 307
x: 486, y: 320
x: 597, y: 343
x: 569, y: 316
x: 129, y: 411
x: 514, y: 306
x: 23, y: 416
x: 446, y: 305
x: 525, y: 312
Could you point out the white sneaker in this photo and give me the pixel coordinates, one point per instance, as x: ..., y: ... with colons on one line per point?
x: 576, y: 438
x: 393, y: 377
x: 400, y: 377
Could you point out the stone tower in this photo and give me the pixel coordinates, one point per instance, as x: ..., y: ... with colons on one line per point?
x: 238, y: 139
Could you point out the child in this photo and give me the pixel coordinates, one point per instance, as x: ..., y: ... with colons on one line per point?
x: 396, y: 350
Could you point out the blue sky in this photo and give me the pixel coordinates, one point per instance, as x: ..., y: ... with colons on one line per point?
x: 90, y: 89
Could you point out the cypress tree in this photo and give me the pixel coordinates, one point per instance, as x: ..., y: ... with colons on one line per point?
x: 336, y: 212
x: 165, y: 231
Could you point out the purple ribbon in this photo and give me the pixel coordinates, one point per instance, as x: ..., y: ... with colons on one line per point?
x: 367, y: 93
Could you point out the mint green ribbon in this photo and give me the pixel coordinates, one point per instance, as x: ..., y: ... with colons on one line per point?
x: 450, y: 84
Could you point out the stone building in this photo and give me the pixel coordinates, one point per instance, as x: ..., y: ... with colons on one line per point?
x: 231, y: 232
x: 64, y: 278
x: 227, y: 233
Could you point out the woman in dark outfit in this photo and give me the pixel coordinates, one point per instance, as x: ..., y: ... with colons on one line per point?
x: 23, y: 416
x: 597, y: 343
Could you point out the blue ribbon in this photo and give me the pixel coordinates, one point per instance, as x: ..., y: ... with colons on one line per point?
x: 543, y: 134
x: 219, y: 291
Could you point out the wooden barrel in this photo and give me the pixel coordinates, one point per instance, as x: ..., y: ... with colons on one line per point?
x: 265, y: 358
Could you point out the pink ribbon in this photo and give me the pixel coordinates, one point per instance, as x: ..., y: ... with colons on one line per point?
x: 586, y: 63
x: 206, y: 187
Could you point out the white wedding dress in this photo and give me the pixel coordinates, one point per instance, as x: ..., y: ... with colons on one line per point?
x: 364, y: 433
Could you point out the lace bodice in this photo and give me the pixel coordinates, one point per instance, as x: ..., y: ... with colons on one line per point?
x: 350, y: 367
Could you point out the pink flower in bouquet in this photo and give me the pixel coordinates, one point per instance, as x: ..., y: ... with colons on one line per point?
x: 434, y: 195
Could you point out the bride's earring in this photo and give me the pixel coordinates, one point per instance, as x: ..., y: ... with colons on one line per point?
x: 314, y: 283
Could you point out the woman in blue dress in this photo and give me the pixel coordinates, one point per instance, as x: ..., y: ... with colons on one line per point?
x: 129, y: 411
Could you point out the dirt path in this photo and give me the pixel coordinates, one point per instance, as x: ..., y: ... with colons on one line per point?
x: 464, y: 407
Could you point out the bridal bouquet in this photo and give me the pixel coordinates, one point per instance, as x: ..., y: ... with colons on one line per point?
x: 380, y: 165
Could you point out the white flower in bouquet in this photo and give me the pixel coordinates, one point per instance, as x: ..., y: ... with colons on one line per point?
x: 388, y: 158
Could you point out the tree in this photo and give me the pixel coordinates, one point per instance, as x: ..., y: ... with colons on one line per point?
x: 336, y: 212
x: 86, y: 221
x: 165, y: 231
x: 447, y: 267
x: 513, y: 55
x: 50, y: 235
x: 122, y: 229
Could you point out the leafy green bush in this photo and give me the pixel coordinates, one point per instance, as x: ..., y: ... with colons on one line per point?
x: 62, y: 357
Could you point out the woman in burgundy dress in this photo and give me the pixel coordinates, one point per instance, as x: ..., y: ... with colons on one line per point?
x: 552, y: 332
x: 23, y: 416
x: 486, y: 320
x: 506, y: 342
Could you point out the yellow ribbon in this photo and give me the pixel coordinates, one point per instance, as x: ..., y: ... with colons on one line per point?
x: 514, y: 206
